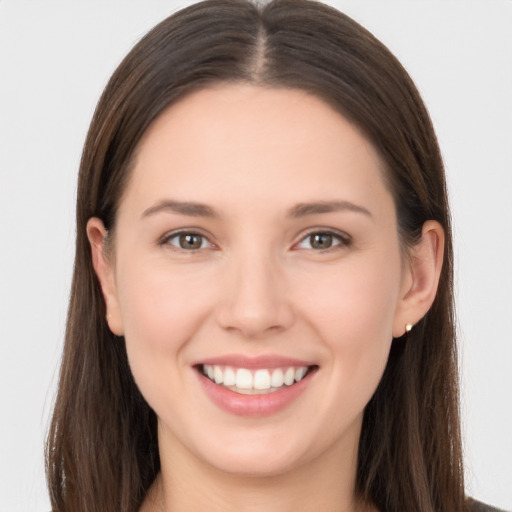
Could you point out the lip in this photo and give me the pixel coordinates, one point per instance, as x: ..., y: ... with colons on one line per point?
x: 258, y: 405
x: 254, y: 362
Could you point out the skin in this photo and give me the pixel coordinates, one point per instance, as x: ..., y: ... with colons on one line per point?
x: 258, y: 286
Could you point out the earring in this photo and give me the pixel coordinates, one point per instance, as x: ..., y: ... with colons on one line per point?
x: 408, y: 328
x: 108, y: 316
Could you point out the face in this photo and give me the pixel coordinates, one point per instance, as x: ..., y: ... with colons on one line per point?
x: 257, y: 278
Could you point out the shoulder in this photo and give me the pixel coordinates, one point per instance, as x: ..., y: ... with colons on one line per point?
x: 477, y: 506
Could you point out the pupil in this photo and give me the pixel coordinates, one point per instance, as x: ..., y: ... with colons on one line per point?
x: 190, y: 241
x: 321, y: 241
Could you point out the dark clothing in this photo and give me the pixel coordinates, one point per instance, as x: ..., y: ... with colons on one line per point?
x: 477, y: 506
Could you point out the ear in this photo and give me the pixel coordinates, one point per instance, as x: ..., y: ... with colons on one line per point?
x: 103, y: 266
x: 420, y: 278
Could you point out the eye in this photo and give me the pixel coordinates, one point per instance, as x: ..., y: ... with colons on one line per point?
x: 188, y: 241
x: 323, y: 240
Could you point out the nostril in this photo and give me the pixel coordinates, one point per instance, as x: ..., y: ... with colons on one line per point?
x: 255, y: 320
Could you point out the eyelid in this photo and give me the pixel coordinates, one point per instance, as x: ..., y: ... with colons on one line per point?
x: 164, y: 240
x: 344, y: 238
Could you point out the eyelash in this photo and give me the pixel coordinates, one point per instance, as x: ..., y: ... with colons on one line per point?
x: 167, y: 240
x: 342, y: 239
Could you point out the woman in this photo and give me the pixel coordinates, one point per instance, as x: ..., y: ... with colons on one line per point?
x: 262, y: 299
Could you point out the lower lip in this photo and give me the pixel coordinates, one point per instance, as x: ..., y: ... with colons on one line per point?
x: 254, y: 405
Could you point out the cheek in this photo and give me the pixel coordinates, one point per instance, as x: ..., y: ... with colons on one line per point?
x: 359, y: 300
x: 161, y: 312
x: 353, y: 312
x: 160, y: 305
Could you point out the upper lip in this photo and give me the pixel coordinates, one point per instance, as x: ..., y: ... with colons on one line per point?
x: 252, y: 362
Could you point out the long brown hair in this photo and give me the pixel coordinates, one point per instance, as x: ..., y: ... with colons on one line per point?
x: 102, y: 451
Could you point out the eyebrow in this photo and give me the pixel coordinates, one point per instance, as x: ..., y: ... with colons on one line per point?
x: 305, y: 209
x: 300, y: 210
x: 182, y: 208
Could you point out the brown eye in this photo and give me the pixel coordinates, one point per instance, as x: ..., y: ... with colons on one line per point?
x: 324, y: 240
x: 321, y: 240
x: 188, y: 241
x: 191, y: 241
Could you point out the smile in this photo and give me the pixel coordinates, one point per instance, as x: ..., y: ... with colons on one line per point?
x: 254, y: 381
x: 254, y: 387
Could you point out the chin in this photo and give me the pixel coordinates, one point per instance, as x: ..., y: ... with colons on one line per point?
x: 255, y: 463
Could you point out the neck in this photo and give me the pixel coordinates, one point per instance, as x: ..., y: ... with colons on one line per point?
x: 186, y: 483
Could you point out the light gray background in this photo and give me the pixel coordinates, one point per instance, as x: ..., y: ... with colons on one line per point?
x: 55, y: 58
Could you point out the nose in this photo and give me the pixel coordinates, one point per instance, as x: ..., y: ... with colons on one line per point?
x: 255, y: 301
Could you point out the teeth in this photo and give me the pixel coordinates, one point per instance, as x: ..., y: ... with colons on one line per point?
x: 299, y: 373
x: 229, y: 377
x: 246, y: 381
x: 243, y: 379
x: 218, y: 375
x: 262, y: 379
x: 289, y: 376
x: 277, y: 379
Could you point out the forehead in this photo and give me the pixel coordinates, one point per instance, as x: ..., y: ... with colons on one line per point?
x: 260, y: 143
